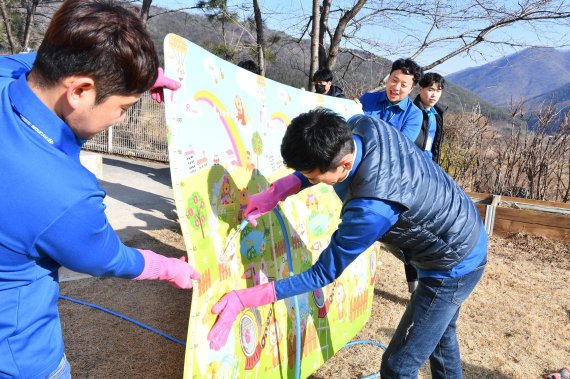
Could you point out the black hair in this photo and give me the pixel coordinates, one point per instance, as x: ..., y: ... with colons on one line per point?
x: 249, y: 65
x: 323, y: 75
x: 317, y: 139
x: 431, y: 78
x: 101, y: 39
x: 408, y: 67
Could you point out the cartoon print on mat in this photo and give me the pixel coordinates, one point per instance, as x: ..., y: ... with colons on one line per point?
x: 178, y: 52
x: 241, y: 115
x: 225, y: 131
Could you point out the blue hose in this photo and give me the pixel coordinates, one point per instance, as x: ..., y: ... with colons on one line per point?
x: 154, y: 330
x: 125, y: 318
x: 369, y: 342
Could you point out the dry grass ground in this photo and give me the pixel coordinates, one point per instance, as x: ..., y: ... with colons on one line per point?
x: 515, y: 325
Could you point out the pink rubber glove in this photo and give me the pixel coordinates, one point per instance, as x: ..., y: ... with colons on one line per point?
x: 157, y: 90
x: 231, y: 305
x: 177, y: 272
x: 263, y: 202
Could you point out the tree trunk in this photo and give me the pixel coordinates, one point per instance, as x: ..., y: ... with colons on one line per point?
x: 324, y: 28
x: 260, y: 38
x: 31, y: 13
x: 339, y: 31
x: 7, y: 26
x: 314, y: 44
x: 145, y: 9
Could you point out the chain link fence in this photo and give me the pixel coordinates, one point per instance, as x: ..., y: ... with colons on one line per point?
x: 143, y: 134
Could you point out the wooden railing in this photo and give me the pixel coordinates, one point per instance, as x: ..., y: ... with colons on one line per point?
x: 507, y: 215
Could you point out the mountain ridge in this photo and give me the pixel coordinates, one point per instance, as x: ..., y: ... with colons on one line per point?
x: 519, y: 77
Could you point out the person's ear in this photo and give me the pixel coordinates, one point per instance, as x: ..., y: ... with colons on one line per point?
x: 347, y: 162
x: 80, y: 91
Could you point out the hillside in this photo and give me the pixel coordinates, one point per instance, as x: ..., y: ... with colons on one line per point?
x: 288, y: 60
x: 559, y: 97
x: 528, y: 74
x: 459, y: 99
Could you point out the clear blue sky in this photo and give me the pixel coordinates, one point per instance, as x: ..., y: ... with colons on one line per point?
x: 291, y: 15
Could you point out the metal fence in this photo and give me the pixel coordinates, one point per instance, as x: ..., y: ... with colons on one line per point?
x: 143, y: 134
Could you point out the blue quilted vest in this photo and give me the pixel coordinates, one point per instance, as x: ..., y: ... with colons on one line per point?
x: 440, y: 224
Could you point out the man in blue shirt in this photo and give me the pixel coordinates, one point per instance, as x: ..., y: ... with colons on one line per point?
x: 95, y: 61
x: 393, y: 105
x: 431, y: 133
x: 392, y: 192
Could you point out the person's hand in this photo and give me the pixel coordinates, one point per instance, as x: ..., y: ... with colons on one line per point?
x: 229, y: 307
x: 263, y: 202
x: 175, y: 271
x: 157, y: 90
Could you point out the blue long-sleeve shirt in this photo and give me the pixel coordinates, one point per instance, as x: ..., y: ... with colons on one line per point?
x: 52, y: 214
x: 364, y: 221
x: 403, y: 116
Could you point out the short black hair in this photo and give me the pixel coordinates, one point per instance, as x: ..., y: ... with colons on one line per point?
x: 323, y: 75
x: 249, y: 65
x: 102, y: 39
x: 431, y: 78
x: 408, y: 67
x: 319, y: 139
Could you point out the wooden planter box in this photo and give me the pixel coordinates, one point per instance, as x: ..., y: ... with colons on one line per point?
x: 513, y: 215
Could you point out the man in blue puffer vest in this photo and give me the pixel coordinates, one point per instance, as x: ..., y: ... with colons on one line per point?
x: 391, y: 192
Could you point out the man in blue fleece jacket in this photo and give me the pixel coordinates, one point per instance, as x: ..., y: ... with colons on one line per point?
x: 95, y: 61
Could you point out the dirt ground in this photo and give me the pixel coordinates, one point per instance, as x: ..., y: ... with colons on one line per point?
x: 515, y: 325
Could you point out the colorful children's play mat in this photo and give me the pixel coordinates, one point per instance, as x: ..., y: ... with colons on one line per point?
x: 225, y: 130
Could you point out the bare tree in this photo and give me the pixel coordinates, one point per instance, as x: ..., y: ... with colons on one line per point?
x: 8, y: 26
x: 543, y: 152
x: 456, y: 28
x: 493, y: 16
x: 146, y: 7
x: 531, y: 162
x: 465, y: 135
x: 334, y: 47
x: 314, y: 45
x: 321, y: 55
x: 260, y: 38
x: 563, y: 171
x: 31, y: 9
x: 19, y: 19
x: 145, y: 10
x: 323, y: 31
x: 444, y: 28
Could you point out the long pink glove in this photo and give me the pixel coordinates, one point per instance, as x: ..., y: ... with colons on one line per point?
x: 157, y: 90
x: 263, y: 202
x: 177, y: 272
x: 231, y: 305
